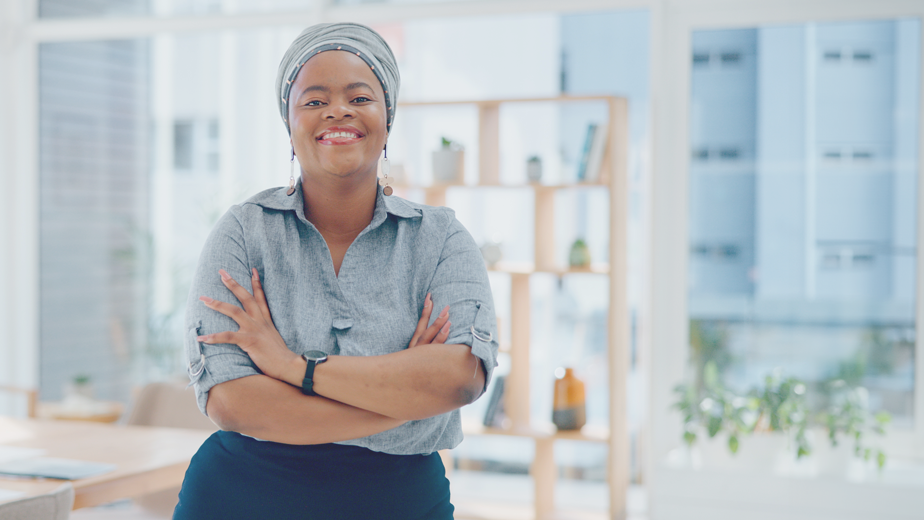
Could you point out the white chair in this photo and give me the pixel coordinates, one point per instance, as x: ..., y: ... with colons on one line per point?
x: 169, y: 405
x: 55, y: 505
x: 30, y: 394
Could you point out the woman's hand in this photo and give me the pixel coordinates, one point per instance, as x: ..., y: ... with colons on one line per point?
x: 257, y: 335
x: 436, y: 333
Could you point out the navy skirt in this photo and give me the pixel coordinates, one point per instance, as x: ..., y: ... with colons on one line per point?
x: 233, y: 476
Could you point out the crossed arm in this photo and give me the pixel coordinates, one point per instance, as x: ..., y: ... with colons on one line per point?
x: 361, y: 395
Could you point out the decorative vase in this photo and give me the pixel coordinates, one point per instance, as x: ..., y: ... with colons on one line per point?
x: 569, y: 411
x: 534, y: 169
x: 491, y: 251
x: 579, y: 255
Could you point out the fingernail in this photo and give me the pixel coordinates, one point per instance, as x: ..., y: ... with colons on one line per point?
x: 255, y: 275
x: 427, y: 301
x: 203, y: 339
x: 444, y: 312
x: 224, y: 275
x: 206, y: 299
x: 446, y: 327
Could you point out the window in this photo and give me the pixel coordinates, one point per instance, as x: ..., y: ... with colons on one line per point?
x: 802, y: 232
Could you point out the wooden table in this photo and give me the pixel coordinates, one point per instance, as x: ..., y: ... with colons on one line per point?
x: 147, y: 459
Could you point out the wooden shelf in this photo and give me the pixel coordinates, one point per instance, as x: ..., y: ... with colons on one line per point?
x: 613, y: 177
x: 589, y: 433
x: 528, y: 185
x: 495, y: 102
x: 530, y: 268
x: 493, y: 510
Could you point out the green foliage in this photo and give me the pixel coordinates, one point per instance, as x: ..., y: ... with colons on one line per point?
x: 848, y: 416
x: 783, y: 408
x: 449, y: 144
x: 778, y: 405
x: 716, y: 409
x: 708, y: 343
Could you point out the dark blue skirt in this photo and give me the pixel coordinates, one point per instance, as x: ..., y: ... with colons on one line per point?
x: 236, y: 477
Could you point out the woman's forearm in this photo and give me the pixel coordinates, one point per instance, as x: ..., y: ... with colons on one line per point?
x: 269, y: 409
x: 411, y: 384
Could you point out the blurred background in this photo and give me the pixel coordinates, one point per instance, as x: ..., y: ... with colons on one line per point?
x: 773, y: 217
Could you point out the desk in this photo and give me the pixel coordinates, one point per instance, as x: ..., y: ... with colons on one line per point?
x: 148, y: 459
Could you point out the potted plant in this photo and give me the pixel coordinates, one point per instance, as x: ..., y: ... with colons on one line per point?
x: 534, y: 168
x: 579, y: 256
x: 848, y: 416
x: 778, y: 407
x: 449, y: 163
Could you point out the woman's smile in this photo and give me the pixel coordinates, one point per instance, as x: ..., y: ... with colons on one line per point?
x: 340, y: 135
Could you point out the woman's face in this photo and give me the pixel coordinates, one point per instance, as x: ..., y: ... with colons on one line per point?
x: 337, y: 116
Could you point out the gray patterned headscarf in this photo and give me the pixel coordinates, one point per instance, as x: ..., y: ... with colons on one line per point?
x: 352, y: 37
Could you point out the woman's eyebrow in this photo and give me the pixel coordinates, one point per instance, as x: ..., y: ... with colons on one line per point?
x: 313, y: 88
x: 358, y: 84
x: 322, y: 88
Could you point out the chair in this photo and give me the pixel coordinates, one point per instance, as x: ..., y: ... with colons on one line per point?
x: 55, y: 505
x: 169, y: 405
x: 31, y: 397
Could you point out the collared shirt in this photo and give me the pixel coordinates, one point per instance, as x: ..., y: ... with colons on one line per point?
x: 371, y: 309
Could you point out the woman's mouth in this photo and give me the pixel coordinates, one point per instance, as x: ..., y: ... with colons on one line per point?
x: 337, y: 136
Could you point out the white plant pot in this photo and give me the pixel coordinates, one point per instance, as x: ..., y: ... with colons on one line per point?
x: 448, y: 166
x: 832, y: 461
x: 761, y: 451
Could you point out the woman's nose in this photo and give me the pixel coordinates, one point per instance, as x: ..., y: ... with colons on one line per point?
x: 339, y: 110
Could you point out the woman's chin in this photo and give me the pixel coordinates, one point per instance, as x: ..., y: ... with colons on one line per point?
x: 348, y: 171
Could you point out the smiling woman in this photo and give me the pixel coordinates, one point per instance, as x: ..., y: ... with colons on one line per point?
x: 311, y: 338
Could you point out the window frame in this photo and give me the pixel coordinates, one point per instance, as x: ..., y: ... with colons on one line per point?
x: 672, y: 47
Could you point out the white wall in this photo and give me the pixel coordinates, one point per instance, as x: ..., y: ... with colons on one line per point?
x: 18, y: 208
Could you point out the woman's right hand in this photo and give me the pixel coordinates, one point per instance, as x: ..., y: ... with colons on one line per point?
x: 436, y: 333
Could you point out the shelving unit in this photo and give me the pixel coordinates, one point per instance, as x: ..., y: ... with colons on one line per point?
x: 517, y: 396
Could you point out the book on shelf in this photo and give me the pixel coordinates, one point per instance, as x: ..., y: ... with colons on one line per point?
x: 592, y: 155
x: 494, y: 415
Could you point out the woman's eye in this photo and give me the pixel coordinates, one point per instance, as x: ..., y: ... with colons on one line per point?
x: 313, y: 103
x: 362, y: 99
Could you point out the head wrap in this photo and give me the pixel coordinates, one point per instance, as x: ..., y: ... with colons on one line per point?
x: 351, y: 37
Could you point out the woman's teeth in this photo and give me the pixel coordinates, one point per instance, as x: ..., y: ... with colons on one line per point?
x: 334, y: 135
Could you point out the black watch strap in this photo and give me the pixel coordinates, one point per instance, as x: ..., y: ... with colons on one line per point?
x: 313, y: 359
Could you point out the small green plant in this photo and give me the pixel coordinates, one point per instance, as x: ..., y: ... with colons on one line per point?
x: 449, y: 144
x: 779, y: 405
x: 81, y: 379
x: 579, y: 256
x: 782, y: 408
x: 848, y: 415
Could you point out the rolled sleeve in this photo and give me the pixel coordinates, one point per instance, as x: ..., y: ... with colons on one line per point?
x: 211, y: 364
x: 461, y: 281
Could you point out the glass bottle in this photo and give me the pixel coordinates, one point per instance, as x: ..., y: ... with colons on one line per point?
x: 569, y: 411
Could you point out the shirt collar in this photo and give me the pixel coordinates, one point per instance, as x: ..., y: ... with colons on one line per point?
x: 277, y: 199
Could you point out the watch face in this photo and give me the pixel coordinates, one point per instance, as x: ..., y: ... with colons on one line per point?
x: 315, y: 355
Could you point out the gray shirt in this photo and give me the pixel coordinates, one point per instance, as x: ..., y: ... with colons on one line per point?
x: 372, y: 308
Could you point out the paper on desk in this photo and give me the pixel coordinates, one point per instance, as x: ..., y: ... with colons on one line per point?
x: 10, y: 494
x: 10, y: 453
x: 47, y: 467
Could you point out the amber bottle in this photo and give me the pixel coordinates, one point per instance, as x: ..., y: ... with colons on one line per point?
x: 569, y: 411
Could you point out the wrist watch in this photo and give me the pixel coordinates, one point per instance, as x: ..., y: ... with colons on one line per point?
x: 314, y: 358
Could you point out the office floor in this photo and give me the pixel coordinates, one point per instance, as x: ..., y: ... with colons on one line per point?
x: 477, y: 495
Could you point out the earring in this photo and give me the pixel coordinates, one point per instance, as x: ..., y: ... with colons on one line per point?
x: 291, y: 189
x: 383, y: 164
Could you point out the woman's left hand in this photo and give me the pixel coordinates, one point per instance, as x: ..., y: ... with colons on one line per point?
x: 257, y: 335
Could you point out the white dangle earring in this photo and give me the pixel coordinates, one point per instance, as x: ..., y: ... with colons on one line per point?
x: 291, y: 189
x: 385, y: 167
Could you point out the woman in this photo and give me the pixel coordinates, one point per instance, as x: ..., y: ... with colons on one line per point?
x: 312, y: 340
